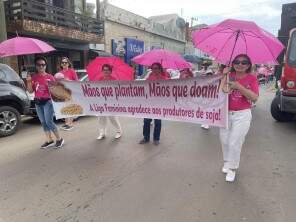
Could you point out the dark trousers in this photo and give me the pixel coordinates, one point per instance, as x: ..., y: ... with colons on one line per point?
x: 146, y: 129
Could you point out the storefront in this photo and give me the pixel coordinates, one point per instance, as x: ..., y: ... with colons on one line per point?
x: 127, y: 49
x: 76, y: 52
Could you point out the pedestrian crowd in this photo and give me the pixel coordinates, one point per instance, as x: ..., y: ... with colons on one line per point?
x: 237, y: 81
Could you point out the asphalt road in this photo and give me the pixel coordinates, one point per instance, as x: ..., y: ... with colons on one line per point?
x: 121, y: 181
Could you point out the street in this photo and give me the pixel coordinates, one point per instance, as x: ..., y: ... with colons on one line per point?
x: 119, y: 180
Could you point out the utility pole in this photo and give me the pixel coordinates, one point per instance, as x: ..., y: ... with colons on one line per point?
x: 98, y: 9
x: 3, y: 33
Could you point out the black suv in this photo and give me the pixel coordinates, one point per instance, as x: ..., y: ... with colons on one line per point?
x: 14, y: 100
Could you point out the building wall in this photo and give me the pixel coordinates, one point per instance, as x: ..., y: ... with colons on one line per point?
x: 170, y: 25
x: 120, y: 24
x: 190, y: 48
x: 115, y: 30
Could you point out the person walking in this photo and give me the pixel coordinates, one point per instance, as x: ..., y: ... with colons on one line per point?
x: 68, y: 73
x: 243, y: 89
x: 38, y: 84
x: 157, y: 74
x: 107, y: 71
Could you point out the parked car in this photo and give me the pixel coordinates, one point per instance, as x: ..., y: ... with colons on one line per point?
x: 283, y: 106
x: 14, y: 100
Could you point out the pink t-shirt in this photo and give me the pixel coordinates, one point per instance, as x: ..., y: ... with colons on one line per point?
x: 152, y: 76
x: 40, y: 85
x: 69, y: 74
x: 236, y: 100
x: 102, y: 78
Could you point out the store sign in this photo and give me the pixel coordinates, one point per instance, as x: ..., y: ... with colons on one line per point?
x: 118, y: 48
x: 134, y: 47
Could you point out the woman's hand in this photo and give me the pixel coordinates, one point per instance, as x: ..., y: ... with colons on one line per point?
x: 29, y: 78
x: 243, y: 90
x: 226, y: 70
x: 225, y: 79
x: 234, y: 85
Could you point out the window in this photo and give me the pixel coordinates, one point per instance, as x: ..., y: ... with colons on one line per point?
x: 292, y: 50
x: 78, y: 5
x: 2, y: 76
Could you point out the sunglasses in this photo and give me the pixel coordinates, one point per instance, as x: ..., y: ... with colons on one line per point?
x: 243, y: 62
x: 40, y: 64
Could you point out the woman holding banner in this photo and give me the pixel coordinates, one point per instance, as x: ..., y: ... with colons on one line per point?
x: 38, y: 84
x: 156, y: 74
x: 243, y: 89
x: 107, y: 71
x: 68, y: 74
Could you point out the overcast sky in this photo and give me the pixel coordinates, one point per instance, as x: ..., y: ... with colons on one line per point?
x: 266, y: 13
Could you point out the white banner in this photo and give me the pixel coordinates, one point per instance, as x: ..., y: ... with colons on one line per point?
x: 196, y: 100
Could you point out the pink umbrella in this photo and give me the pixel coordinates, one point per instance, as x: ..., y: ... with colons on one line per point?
x: 23, y: 46
x: 232, y: 37
x: 120, y: 70
x: 166, y: 58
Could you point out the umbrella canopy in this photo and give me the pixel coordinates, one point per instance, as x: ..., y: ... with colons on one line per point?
x: 120, y: 70
x: 166, y: 58
x: 23, y: 46
x: 232, y: 37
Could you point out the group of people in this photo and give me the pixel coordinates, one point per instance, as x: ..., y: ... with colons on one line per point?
x: 237, y: 82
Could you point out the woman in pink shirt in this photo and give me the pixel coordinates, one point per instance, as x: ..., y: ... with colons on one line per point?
x: 107, y: 71
x: 70, y: 75
x: 243, y: 89
x: 38, y: 84
x: 156, y: 74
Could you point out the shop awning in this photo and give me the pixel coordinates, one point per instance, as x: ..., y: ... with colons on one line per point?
x: 192, y: 58
x: 100, y: 53
x: 69, y: 45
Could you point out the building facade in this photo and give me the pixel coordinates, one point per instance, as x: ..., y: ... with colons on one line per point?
x: 64, y: 24
x: 128, y: 34
x: 190, y: 49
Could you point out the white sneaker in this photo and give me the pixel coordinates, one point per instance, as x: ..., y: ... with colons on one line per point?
x: 230, y: 176
x: 224, y: 169
x: 101, y: 136
x: 204, y: 126
x: 117, y: 135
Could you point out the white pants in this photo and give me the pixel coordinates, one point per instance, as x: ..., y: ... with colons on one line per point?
x: 233, y: 138
x: 103, y: 123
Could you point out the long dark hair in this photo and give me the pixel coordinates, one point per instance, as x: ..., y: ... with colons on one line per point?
x: 40, y: 58
x: 68, y: 60
x: 159, y: 66
x: 108, y: 67
x: 247, y: 58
